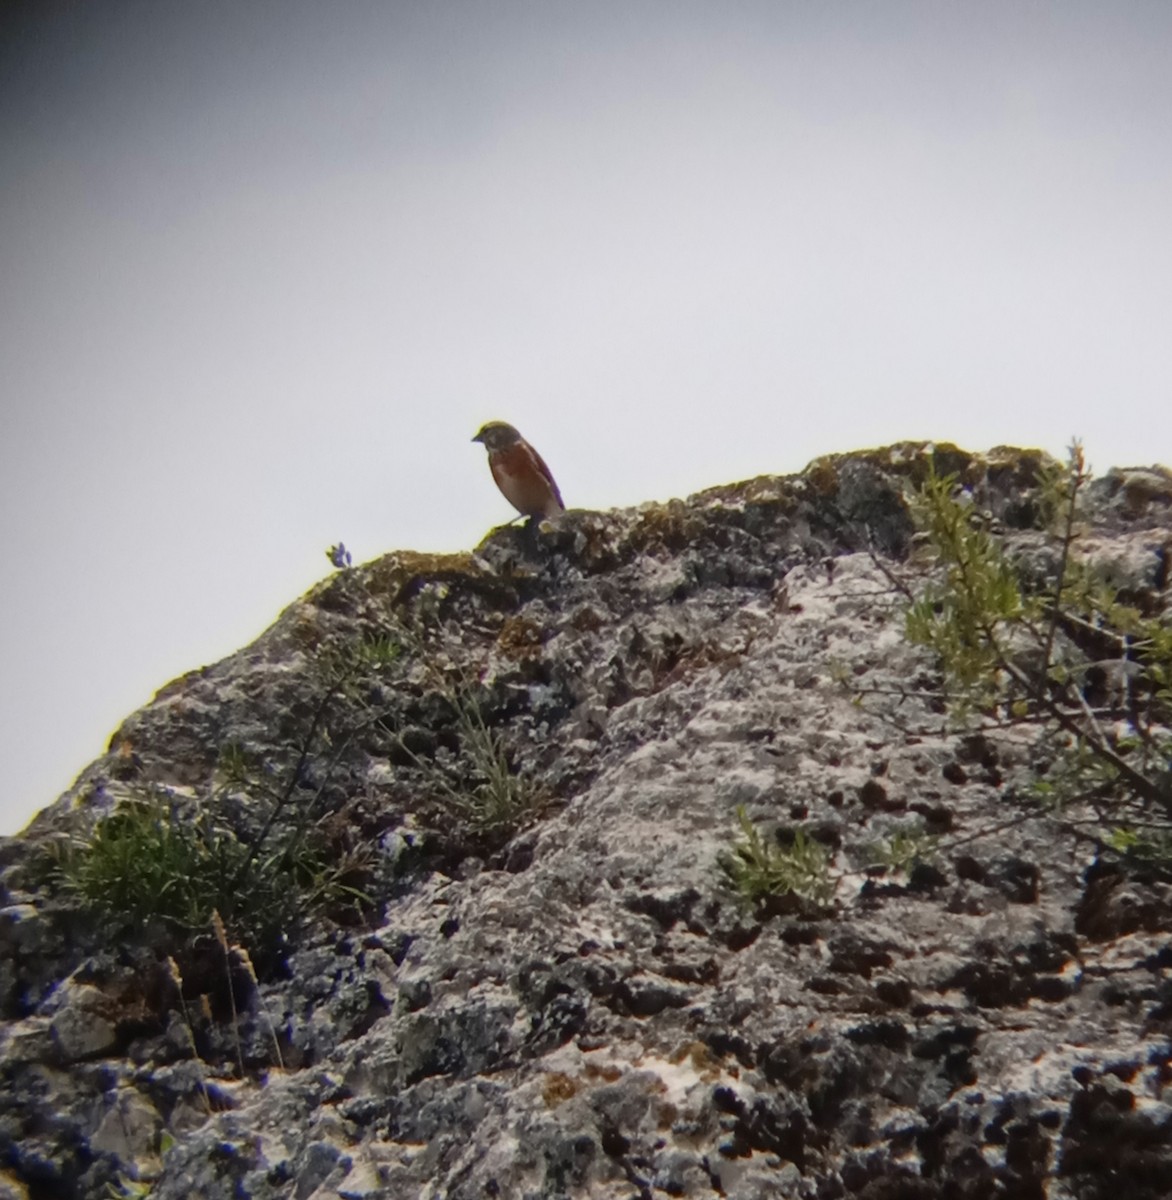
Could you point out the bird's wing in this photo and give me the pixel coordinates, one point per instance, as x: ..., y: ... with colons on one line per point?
x: 539, y: 462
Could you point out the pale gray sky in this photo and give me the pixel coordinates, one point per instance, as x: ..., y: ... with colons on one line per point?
x: 266, y: 267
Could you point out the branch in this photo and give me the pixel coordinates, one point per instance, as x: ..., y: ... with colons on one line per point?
x: 287, y: 791
x: 1076, y: 479
x: 1136, y: 780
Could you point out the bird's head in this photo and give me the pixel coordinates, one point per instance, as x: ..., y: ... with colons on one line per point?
x: 497, y: 435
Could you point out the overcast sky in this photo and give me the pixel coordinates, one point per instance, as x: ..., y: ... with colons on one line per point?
x: 266, y: 267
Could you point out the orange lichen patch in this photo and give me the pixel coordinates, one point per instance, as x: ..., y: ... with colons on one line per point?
x: 587, y: 619
x: 132, y: 999
x: 127, y: 761
x: 692, y: 661
x: 822, y: 476
x: 699, y: 1056
x: 608, y: 1072
x: 558, y: 1088
x: 520, y: 637
x: 308, y: 631
x: 697, y: 1053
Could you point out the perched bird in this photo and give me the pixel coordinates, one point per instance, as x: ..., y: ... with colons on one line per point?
x: 520, y: 472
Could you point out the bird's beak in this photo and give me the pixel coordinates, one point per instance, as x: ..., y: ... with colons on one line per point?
x: 479, y: 437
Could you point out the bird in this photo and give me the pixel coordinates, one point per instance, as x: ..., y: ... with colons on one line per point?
x: 520, y: 472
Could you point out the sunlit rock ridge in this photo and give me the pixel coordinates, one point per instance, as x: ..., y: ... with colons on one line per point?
x: 582, y: 1006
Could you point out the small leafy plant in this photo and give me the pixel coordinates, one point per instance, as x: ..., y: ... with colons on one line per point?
x: 502, y: 799
x: 484, y: 789
x: 761, y: 870
x: 479, y: 783
x: 904, y: 850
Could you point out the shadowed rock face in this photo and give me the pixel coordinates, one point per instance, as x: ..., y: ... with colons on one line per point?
x: 584, y: 1009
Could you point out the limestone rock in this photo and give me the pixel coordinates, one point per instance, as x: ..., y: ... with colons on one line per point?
x: 80, y: 1026
x: 583, y: 1008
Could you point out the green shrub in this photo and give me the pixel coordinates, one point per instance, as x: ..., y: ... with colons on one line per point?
x: 1018, y: 648
x: 149, y: 864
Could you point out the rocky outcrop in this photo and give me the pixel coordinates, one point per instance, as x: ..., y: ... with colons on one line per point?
x: 583, y: 1007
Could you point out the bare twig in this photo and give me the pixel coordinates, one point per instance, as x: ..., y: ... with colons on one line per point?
x: 1077, y: 478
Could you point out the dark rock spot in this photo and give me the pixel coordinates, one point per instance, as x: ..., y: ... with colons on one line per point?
x: 989, y: 983
x: 640, y: 997
x: 567, y: 1164
x: 561, y: 1019
x: 613, y: 1143
x: 738, y: 936
x: 1050, y: 988
x: 706, y: 972
x: 977, y: 748
x: 1109, y: 1149
x: 851, y: 954
x: 1050, y: 951
x: 969, y: 868
x: 665, y: 907
x: 873, y: 795
x: 891, y: 1034
x: 800, y: 933
x: 415, y: 994
x: 896, y: 992
x: 1113, y: 903
x: 1125, y: 1070
x: 1015, y: 878
x: 941, y: 1042
x: 926, y: 877
x: 937, y: 818
x: 460, y: 1042
x: 518, y: 855
x: 413, y: 743
x: 768, y: 1125
x: 723, y: 1044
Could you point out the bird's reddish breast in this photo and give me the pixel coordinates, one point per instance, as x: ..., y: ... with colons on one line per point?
x: 524, y: 479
